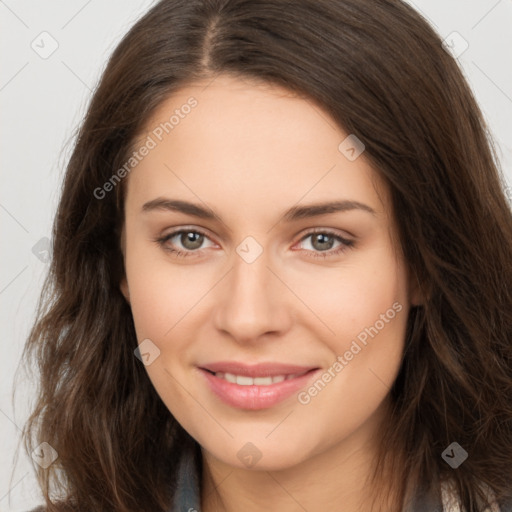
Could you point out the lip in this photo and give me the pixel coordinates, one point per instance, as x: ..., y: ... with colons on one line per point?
x: 256, y: 397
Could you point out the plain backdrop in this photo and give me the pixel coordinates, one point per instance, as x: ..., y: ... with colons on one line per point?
x: 43, y: 99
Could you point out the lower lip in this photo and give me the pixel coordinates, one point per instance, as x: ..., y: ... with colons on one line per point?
x: 255, y: 397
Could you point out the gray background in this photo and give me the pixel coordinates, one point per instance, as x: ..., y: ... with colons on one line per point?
x: 42, y: 101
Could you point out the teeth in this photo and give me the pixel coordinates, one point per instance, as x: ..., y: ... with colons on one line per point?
x: 229, y: 377
x: 261, y: 381
x: 242, y: 380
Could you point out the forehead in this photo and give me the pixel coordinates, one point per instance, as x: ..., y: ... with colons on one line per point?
x: 243, y: 115
x: 254, y: 140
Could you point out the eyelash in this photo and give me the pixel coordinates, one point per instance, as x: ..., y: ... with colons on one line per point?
x: 345, y: 244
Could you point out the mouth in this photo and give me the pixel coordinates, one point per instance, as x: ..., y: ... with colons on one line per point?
x: 255, y: 387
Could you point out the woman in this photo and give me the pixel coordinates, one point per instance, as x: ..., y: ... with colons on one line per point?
x: 281, y: 276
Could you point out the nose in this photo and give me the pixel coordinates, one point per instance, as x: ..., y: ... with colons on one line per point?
x: 252, y: 302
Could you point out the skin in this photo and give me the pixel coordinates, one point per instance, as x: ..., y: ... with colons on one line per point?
x: 250, y: 152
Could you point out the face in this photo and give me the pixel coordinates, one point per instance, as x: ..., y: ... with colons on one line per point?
x: 262, y: 275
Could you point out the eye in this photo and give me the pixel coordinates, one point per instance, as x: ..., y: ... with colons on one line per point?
x: 321, y: 242
x: 183, y: 242
x: 189, y: 242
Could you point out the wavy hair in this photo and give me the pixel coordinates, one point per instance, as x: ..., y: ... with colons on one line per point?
x: 380, y: 71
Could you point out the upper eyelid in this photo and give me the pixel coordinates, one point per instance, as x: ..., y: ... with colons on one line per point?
x: 179, y: 231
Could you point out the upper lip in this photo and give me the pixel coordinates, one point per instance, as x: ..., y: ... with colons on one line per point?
x: 256, y: 370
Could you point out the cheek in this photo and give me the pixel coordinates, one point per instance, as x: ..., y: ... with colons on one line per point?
x: 162, y: 294
x: 369, y: 319
x: 163, y: 297
x: 365, y: 309
x: 356, y: 300
x: 369, y: 302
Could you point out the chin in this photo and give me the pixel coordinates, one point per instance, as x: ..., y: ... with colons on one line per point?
x: 260, y: 454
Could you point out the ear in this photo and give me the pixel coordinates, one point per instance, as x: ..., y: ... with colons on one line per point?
x: 123, y: 283
x: 123, y: 286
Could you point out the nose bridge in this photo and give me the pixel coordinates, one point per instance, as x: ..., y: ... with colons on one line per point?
x: 249, y: 303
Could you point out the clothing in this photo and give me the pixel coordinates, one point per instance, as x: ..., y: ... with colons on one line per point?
x: 187, y: 497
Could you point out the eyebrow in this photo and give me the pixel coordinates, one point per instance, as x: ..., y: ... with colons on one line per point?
x: 293, y: 214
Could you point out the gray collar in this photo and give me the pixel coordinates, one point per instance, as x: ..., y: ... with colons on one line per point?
x: 187, y: 497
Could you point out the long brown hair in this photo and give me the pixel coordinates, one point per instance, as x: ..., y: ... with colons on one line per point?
x: 381, y: 72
